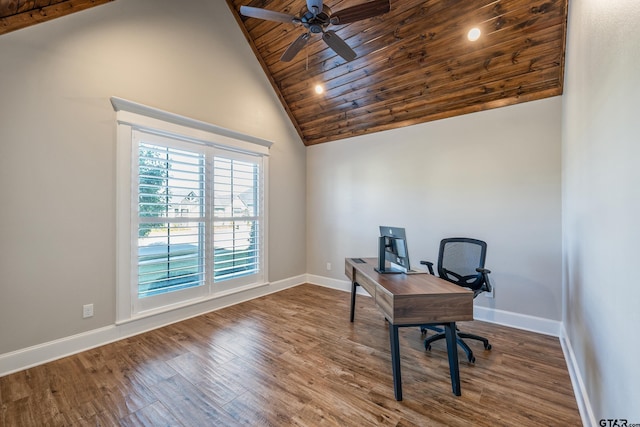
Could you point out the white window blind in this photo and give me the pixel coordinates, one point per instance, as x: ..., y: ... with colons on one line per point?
x: 236, y: 218
x: 171, y: 219
x: 198, y: 211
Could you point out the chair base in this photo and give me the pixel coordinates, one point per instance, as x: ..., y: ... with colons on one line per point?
x: 459, y: 339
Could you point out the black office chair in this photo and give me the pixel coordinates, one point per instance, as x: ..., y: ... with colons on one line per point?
x: 461, y: 261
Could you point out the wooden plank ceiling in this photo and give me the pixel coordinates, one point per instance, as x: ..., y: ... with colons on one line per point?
x: 17, y: 14
x: 415, y: 63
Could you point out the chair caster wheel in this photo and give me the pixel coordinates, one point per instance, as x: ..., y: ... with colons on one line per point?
x: 472, y: 359
x: 487, y: 347
x: 427, y: 347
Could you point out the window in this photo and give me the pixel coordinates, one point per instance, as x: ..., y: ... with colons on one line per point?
x: 196, y: 221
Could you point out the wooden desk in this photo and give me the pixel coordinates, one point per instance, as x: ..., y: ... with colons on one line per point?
x: 412, y: 300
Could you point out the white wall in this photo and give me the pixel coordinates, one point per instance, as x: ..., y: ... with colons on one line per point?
x: 601, y: 202
x: 493, y: 175
x: 57, y: 148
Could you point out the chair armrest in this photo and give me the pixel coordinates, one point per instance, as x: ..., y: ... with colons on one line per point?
x: 485, y: 275
x: 429, y: 266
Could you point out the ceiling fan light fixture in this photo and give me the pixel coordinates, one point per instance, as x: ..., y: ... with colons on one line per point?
x: 474, y: 34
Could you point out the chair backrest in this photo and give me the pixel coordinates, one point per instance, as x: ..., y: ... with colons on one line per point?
x: 458, y: 259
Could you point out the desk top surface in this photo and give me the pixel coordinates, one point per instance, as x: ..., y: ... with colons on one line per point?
x: 406, y: 284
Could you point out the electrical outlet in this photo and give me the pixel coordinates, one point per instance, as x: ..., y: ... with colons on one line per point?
x: 87, y: 311
x: 328, y: 266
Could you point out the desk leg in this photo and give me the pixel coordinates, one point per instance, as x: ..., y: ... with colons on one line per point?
x: 354, y: 285
x: 452, y: 350
x: 395, y: 360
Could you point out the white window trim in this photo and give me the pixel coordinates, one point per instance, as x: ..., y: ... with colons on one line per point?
x: 130, y: 116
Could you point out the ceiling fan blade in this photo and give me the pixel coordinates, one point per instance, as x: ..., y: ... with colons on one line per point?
x: 338, y: 45
x: 360, y: 12
x: 295, y: 47
x: 269, y: 15
x: 314, y: 6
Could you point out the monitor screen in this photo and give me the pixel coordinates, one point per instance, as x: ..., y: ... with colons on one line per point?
x: 393, y: 253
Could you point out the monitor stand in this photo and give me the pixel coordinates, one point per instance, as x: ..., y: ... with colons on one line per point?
x: 381, y: 260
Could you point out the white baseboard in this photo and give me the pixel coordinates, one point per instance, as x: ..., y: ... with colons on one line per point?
x: 517, y: 320
x: 42, y: 353
x: 579, y: 389
x: 327, y: 282
x: 36, y: 355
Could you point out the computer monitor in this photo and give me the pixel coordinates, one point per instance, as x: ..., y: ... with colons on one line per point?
x: 393, y: 253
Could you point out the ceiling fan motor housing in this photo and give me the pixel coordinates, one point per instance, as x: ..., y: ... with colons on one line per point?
x: 316, y: 23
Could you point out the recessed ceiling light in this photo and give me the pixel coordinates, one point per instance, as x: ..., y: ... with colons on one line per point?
x: 473, y: 34
x: 319, y: 89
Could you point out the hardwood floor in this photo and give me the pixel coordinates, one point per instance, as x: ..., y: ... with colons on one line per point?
x: 293, y: 358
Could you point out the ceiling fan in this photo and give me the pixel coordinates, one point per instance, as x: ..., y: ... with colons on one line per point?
x: 316, y: 18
